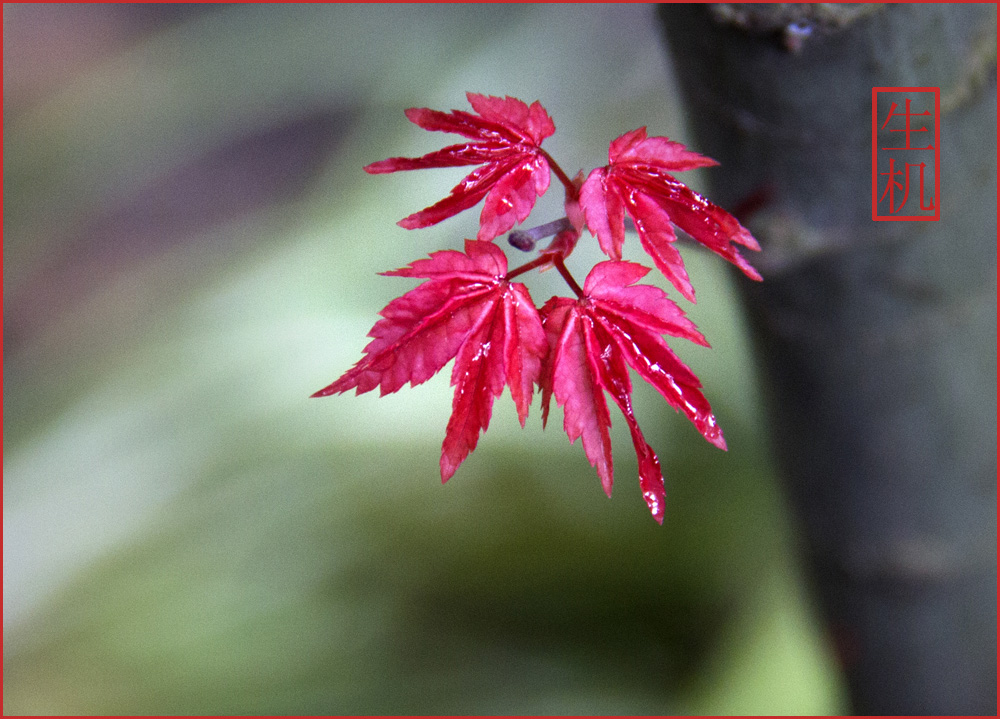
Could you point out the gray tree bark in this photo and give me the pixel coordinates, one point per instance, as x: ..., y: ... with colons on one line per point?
x: 877, y: 340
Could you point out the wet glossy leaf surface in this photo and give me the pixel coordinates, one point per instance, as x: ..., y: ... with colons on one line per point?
x: 507, y: 138
x: 638, y: 182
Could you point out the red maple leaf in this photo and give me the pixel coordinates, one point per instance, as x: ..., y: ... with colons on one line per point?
x: 514, y: 169
x: 469, y: 310
x: 593, y: 341
x: 466, y: 310
x: 637, y: 181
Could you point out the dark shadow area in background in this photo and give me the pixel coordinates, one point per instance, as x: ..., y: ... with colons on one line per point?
x: 270, y: 166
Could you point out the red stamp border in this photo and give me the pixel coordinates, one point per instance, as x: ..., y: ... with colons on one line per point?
x: 937, y: 156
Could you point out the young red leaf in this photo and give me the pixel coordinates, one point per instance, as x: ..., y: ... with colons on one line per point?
x: 466, y: 310
x: 637, y: 181
x: 514, y: 170
x: 613, y: 376
x: 570, y: 376
x: 635, y: 317
x: 593, y: 341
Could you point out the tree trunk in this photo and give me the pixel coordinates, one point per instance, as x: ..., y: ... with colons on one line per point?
x: 877, y: 340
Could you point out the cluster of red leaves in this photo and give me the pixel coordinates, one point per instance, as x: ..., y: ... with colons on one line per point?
x: 577, y: 349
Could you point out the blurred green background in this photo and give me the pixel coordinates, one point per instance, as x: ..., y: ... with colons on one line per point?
x: 191, y: 249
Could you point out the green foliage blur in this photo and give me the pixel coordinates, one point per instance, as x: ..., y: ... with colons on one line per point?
x: 191, y: 250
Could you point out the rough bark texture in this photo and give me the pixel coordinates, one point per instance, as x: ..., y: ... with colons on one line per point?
x: 877, y: 340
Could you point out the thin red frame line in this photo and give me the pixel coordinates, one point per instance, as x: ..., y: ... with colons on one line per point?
x: 875, y: 91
